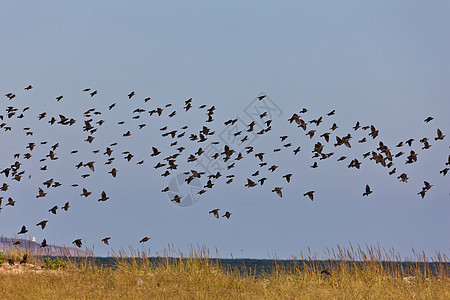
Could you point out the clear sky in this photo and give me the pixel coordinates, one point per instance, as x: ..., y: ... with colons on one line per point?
x: 382, y: 63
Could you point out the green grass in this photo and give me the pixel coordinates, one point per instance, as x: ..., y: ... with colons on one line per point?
x: 197, y: 276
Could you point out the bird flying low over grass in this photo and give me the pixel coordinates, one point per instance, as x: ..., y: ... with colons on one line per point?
x: 77, y: 243
x: 144, y: 239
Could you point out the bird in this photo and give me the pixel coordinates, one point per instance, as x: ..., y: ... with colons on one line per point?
x: 113, y: 172
x: 427, y: 185
x: 311, y: 133
x: 24, y: 259
x: 250, y: 183
x: 334, y: 127
x: 144, y: 239
x: 106, y: 240
x: 176, y: 199
x: 23, y: 230
x: 155, y: 152
x: 11, y: 202
x: 77, y: 243
x: 90, y: 165
x: 103, y: 197
x: 368, y: 191
x: 43, y: 244
x: 262, y: 180
x: 287, y: 177
x: 66, y: 206
x: 215, y: 212
x: 326, y: 136
x: 422, y: 193
x: 403, y: 177
x: 310, y: 194
x: 440, y: 136
x: 278, y: 191
x: 53, y: 209
x: 85, y: 193
x: 273, y: 168
x: 42, y: 224
x: 227, y: 215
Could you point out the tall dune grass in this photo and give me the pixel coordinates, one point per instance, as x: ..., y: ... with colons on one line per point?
x: 341, y: 273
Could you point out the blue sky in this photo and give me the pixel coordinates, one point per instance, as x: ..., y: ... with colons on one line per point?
x: 383, y: 63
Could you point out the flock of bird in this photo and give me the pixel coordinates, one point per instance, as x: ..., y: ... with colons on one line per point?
x: 92, y: 122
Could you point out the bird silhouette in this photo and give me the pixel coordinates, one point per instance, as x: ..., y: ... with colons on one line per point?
x: 227, y: 215
x: 278, y: 191
x: 250, y: 183
x: 23, y: 230
x: 440, y: 136
x: 66, y: 206
x: 77, y: 243
x: 53, y: 209
x: 215, y: 212
x: 368, y: 191
x: 144, y: 239
x: 85, y: 193
x: 103, y: 197
x: 310, y: 194
x: 43, y: 244
x: 42, y: 224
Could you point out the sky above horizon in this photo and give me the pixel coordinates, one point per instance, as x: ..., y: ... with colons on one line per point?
x: 383, y: 63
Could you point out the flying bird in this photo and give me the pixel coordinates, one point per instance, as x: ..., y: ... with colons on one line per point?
x: 23, y: 230
x: 368, y: 191
x: 227, y: 215
x: 53, y: 209
x: 278, y: 191
x: 145, y: 239
x: 287, y: 177
x: 43, y: 244
x: 85, y: 193
x: 77, y: 243
x: 310, y: 194
x: 103, y: 197
x: 440, y: 136
x: 42, y: 224
x: 155, y: 151
x: 66, y: 206
x: 215, y: 212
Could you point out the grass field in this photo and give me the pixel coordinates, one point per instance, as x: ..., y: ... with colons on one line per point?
x: 197, y: 276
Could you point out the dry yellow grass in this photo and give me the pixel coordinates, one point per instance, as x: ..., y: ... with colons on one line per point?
x: 196, y: 276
